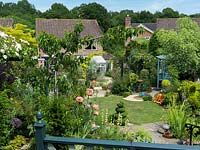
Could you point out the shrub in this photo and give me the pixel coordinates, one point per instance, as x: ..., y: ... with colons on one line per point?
x: 177, y: 118
x: 16, y: 143
x: 6, y: 114
x: 125, y: 94
x: 144, y: 75
x: 190, y: 90
x: 147, y: 98
x: 120, y: 86
x: 133, y: 78
x: 165, y: 83
x: 170, y: 98
x: 120, y: 116
x: 142, y: 136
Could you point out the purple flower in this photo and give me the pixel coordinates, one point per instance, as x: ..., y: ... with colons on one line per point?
x: 16, y: 122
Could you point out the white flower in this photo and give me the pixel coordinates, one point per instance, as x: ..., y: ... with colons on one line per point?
x: 5, y: 56
x: 23, y: 41
x: 18, y: 47
x: 2, y: 51
x: 16, y: 53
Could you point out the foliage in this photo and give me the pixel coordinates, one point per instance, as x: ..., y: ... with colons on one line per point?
x: 120, y: 85
x: 139, y: 59
x: 20, y: 11
x: 120, y: 116
x: 190, y: 91
x: 181, y: 46
x: 58, y: 11
x: 6, y: 114
x: 170, y: 98
x: 144, y: 75
x: 69, y: 117
x: 165, y: 83
x: 177, y: 117
x: 16, y: 143
x: 125, y: 94
x: 115, y: 42
x: 133, y: 78
x: 142, y: 136
x: 147, y: 98
x: 61, y: 61
x: 154, y: 46
x: 92, y: 11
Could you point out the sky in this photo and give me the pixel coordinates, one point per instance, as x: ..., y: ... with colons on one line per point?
x: 182, y: 6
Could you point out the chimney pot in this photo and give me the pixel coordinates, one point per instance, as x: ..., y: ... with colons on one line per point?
x: 127, y: 21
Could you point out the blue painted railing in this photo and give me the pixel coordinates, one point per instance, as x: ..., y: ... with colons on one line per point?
x: 42, y: 141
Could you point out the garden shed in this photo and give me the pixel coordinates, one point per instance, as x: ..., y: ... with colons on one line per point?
x: 98, y: 64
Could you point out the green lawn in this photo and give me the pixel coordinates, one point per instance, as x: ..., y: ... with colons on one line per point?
x: 138, y: 112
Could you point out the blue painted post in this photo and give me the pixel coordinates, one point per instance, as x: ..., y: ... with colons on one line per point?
x: 40, y: 132
x: 158, y: 74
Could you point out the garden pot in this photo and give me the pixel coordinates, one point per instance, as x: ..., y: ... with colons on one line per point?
x: 167, y: 135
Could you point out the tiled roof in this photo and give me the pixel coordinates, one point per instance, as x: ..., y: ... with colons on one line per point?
x: 170, y: 23
x: 6, y: 22
x: 58, y: 26
x: 151, y: 26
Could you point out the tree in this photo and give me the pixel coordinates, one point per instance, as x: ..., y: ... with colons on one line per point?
x: 182, y: 46
x: 58, y: 11
x: 62, y: 61
x: 169, y: 13
x: 115, y: 42
x: 154, y: 46
x: 145, y: 16
x: 93, y: 11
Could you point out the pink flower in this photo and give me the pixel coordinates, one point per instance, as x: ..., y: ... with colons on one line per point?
x: 89, y: 92
x: 96, y: 107
x: 96, y: 113
x: 79, y: 99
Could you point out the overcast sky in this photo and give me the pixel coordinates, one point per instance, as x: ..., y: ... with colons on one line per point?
x: 183, y: 6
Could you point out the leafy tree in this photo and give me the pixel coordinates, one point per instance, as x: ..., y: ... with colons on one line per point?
x: 145, y: 16
x: 93, y: 11
x: 154, y: 46
x: 114, y: 42
x: 169, y: 13
x: 61, y: 60
x: 182, y: 46
x: 58, y: 11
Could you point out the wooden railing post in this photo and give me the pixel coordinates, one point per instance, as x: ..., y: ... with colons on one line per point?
x: 40, y: 132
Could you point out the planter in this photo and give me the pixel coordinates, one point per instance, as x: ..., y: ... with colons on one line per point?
x: 167, y: 134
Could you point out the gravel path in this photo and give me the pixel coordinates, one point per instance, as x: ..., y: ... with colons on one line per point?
x: 152, y: 130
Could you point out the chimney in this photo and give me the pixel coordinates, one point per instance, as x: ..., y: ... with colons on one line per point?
x: 127, y: 21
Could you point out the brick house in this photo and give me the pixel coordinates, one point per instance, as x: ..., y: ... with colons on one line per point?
x: 150, y: 28
x: 57, y: 27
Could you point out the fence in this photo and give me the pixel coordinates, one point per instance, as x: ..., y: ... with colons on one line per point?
x: 42, y: 141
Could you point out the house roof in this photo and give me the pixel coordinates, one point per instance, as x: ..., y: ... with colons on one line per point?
x: 151, y: 26
x: 58, y: 26
x: 98, y: 59
x: 6, y: 22
x: 170, y: 23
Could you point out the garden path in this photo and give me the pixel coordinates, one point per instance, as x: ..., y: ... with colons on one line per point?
x: 152, y: 128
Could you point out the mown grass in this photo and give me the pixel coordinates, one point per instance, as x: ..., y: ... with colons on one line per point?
x: 138, y: 112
